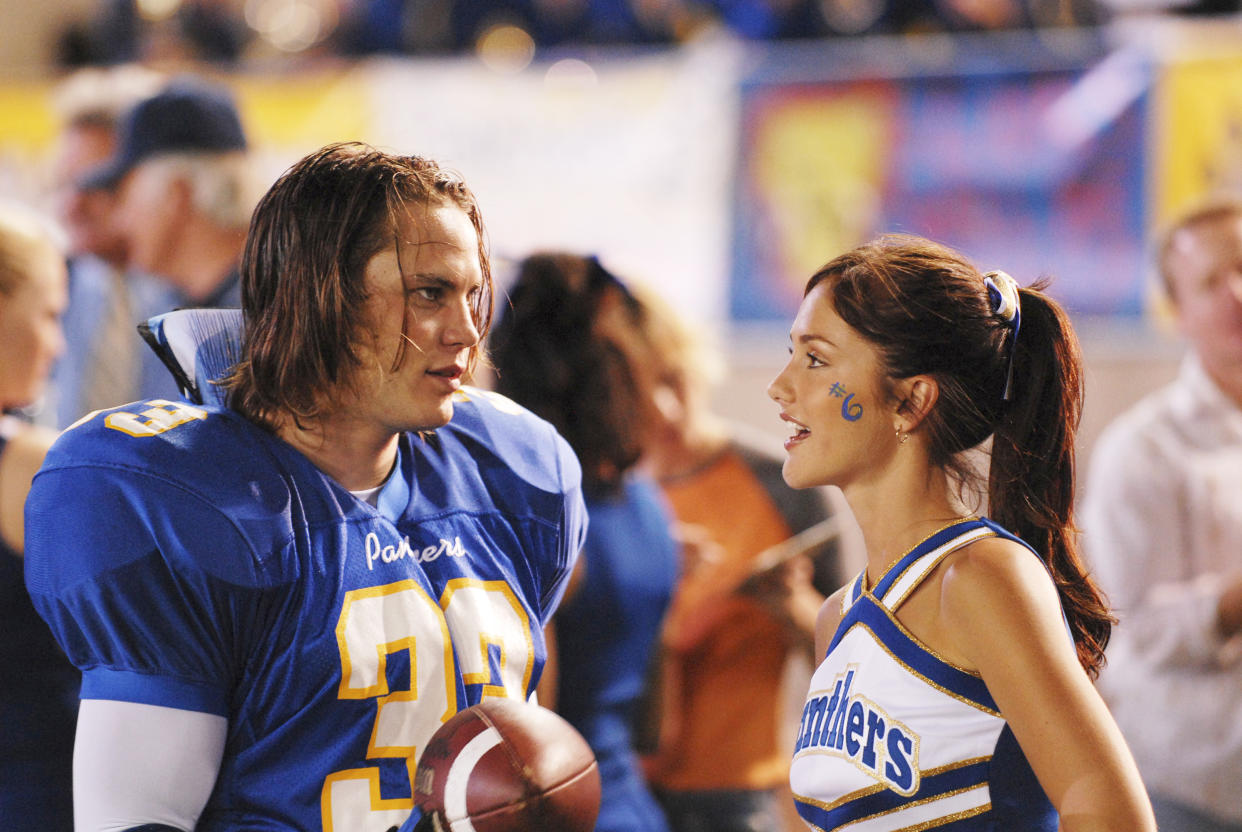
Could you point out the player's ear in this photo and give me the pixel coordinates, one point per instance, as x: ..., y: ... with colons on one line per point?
x: 916, y: 396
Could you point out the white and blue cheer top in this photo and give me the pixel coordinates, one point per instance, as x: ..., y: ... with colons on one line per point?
x: 893, y: 737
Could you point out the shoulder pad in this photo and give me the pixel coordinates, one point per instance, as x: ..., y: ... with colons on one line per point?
x: 522, y: 441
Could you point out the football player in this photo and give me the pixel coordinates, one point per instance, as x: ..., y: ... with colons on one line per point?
x: 275, y: 601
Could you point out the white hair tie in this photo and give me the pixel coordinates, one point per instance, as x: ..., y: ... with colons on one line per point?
x: 1003, y: 292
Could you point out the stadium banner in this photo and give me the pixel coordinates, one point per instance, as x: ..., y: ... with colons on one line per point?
x: 1039, y: 172
x: 725, y: 174
x: 1197, y: 123
x: 628, y: 159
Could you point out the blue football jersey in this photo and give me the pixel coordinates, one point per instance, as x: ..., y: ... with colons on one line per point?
x: 184, y: 557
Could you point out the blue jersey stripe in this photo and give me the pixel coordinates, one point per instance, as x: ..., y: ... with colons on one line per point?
x: 913, y: 655
x: 102, y: 682
x: 934, y: 542
x: 857, y: 590
x: 886, y: 800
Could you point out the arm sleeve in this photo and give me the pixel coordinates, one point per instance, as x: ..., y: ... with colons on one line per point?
x: 1134, y: 533
x: 148, y: 589
x: 127, y: 774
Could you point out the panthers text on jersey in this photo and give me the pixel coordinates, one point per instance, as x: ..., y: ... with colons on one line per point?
x: 186, y: 558
x: 894, y: 737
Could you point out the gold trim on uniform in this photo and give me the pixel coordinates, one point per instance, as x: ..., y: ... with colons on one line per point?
x: 962, y: 815
x: 953, y: 545
x: 879, y: 787
x: 913, y: 672
x: 841, y: 801
x: 842, y: 754
x: 892, y: 616
x: 927, y: 824
x: 866, y: 584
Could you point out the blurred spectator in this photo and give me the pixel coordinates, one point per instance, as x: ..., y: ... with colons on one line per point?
x: 563, y: 348
x: 104, y: 363
x: 1162, y: 522
x: 181, y: 172
x: 396, y: 26
x: 189, y: 31
x: 119, y: 32
x: 39, y: 692
x: 741, y: 612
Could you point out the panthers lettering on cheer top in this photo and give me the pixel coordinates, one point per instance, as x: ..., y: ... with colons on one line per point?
x: 186, y: 558
x: 893, y: 737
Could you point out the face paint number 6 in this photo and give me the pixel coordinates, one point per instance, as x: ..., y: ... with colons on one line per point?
x: 851, y: 412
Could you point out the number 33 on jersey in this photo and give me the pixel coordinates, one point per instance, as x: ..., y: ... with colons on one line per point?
x: 198, y: 562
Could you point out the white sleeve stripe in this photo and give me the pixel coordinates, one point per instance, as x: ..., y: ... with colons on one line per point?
x: 135, y: 764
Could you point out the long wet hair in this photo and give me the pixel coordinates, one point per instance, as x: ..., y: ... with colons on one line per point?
x: 928, y: 311
x: 303, y: 272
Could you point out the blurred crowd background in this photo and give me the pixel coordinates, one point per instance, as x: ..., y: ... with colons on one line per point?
x: 714, y: 153
x: 242, y: 30
x: 719, y: 150
x: 229, y: 31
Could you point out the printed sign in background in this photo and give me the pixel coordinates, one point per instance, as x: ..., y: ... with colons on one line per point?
x: 1197, y: 123
x: 1038, y: 173
x: 724, y: 176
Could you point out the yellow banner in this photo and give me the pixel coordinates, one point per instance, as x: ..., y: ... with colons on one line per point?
x: 1197, y: 145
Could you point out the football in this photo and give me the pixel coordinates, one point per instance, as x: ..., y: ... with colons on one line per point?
x: 507, y: 766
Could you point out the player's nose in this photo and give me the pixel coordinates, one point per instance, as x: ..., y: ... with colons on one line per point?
x: 462, y: 330
x: 778, y: 388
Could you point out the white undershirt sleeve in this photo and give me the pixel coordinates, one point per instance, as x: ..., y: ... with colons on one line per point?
x: 135, y: 764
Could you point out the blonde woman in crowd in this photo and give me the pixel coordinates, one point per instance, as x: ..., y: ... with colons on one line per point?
x: 38, y: 698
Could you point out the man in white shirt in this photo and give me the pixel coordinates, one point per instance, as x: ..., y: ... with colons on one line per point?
x: 1162, y: 523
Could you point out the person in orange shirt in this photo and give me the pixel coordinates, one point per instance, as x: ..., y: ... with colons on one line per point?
x: 761, y: 558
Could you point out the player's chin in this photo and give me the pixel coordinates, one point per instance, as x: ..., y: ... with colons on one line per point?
x: 425, y: 416
x: 790, y: 474
x: 443, y: 413
x: 796, y: 473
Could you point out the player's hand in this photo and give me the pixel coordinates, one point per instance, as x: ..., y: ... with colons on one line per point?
x: 699, y: 550
x: 788, y: 594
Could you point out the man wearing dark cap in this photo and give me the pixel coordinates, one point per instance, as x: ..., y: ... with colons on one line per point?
x: 103, y: 364
x: 184, y: 193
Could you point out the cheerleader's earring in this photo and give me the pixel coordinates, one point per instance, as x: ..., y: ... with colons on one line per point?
x: 902, y: 438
